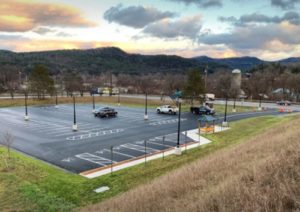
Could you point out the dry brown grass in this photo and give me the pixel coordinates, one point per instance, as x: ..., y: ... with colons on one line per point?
x: 262, y: 174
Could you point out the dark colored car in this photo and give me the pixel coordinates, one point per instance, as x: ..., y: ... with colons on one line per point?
x: 203, y: 110
x: 106, y: 112
x: 285, y: 103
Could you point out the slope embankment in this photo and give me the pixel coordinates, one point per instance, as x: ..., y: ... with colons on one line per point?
x: 261, y: 174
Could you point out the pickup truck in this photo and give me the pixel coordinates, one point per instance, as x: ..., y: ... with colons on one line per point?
x: 106, y: 112
x: 203, y: 110
x: 168, y: 109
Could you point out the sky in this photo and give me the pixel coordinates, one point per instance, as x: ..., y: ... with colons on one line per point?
x: 267, y: 29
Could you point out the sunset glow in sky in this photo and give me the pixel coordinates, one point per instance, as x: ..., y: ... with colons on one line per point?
x: 268, y: 29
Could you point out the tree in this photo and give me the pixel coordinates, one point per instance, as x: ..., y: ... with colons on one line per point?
x: 73, y: 82
x: 194, y: 85
x: 7, y: 141
x: 9, y: 79
x: 40, y: 81
x: 173, y: 82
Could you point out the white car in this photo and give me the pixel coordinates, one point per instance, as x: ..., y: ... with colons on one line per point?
x: 167, y: 109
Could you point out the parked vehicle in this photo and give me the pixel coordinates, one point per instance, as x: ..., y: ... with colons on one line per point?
x: 203, y: 110
x: 284, y: 103
x: 106, y: 112
x: 168, y: 109
x: 209, y: 97
x: 96, y: 91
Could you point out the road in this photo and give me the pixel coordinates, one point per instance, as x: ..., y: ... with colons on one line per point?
x: 48, y: 134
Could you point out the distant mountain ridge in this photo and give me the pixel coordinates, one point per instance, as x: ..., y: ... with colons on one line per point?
x: 95, y: 61
x: 243, y: 63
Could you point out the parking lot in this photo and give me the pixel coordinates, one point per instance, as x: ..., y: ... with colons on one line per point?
x: 48, y: 134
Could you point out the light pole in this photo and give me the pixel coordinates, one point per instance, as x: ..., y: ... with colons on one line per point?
x: 119, y: 103
x: 177, y: 148
x: 26, y: 117
x: 93, y: 96
x: 74, y: 127
x: 225, y: 123
x: 234, y: 103
x: 146, y: 107
x: 56, y: 100
x: 260, y: 99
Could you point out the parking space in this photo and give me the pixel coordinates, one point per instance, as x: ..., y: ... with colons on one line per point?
x: 48, y: 134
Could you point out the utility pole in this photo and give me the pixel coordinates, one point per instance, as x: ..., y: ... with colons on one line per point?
x: 205, y: 80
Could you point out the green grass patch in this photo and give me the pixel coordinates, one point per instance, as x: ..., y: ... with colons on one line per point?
x: 33, y: 185
x: 220, y: 109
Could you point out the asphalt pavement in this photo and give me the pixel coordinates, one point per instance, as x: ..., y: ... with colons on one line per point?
x: 48, y: 134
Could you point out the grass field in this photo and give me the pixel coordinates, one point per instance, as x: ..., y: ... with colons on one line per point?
x: 260, y: 174
x: 29, y: 184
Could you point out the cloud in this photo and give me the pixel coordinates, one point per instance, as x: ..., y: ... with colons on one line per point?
x: 291, y: 17
x: 43, y: 30
x: 201, y: 3
x: 285, y: 4
x: 51, y: 31
x: 135, y: 16
x: 21, y: 16
x: 188, y: 27
x: 255, y: 37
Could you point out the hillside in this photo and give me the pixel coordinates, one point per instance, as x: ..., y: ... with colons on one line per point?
x: 98, y: 60
x: 243, y: 63
x: 262, y: 174
x: 94, y: 61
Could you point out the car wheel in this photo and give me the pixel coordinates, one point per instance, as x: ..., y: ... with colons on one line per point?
x: 170, y: 112
x: 158, y: 111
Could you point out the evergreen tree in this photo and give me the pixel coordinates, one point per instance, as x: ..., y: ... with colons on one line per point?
x: 40, y: 81
x: 194, y: 86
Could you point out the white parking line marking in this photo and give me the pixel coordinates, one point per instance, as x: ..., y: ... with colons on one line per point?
x: 165, y: 145
x: 119, y: 153
x: 138, y: 148
x: 94, y: 159
x: 171, y: 121
x: 93, y: 134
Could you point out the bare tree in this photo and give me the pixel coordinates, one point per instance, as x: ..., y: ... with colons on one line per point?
x: 9, y: 79
x: 7, y: 141
x: 73, y: 82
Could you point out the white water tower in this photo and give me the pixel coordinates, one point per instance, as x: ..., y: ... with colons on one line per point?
x: 236, y: 79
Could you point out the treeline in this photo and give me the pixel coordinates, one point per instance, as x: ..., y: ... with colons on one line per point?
x: 273, y: 81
